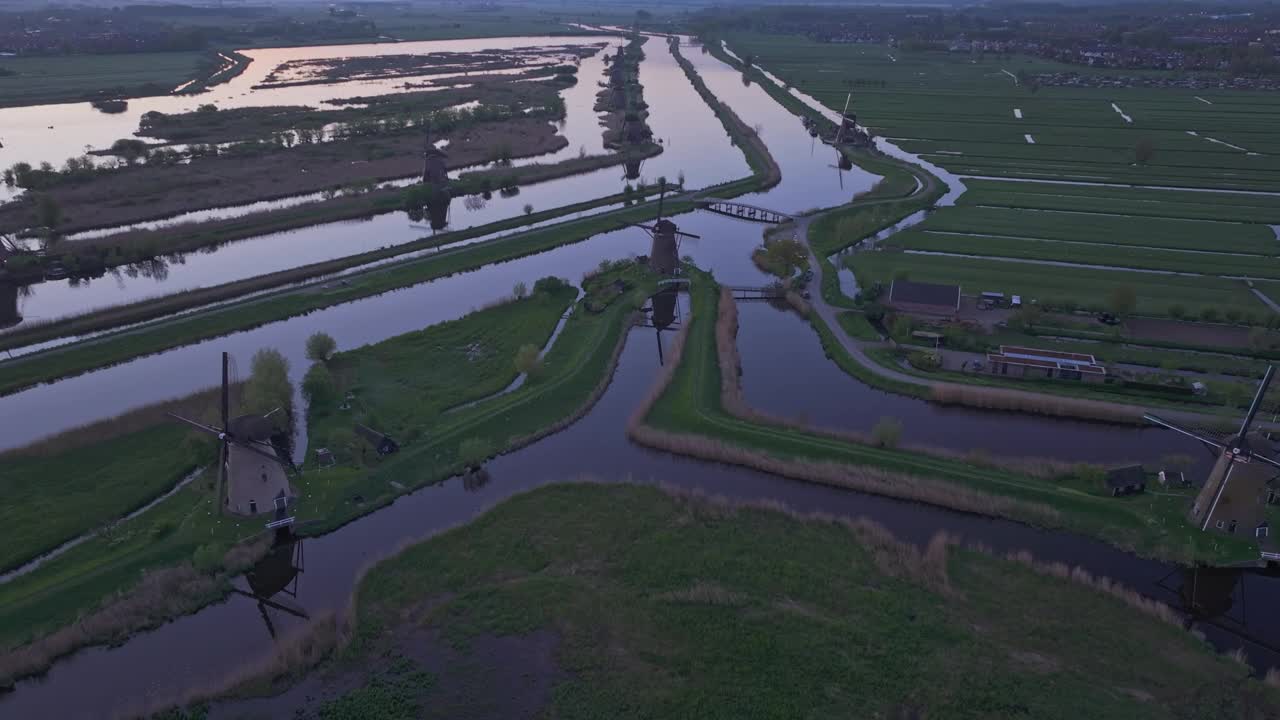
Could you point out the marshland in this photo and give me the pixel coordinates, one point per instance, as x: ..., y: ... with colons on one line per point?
x: 425, y: 368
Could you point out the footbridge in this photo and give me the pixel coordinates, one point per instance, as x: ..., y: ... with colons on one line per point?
x: 742, y: 211
x: 765, y: 292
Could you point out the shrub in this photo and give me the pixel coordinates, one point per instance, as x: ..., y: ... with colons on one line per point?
x: 1209, y: 314
x: 527, y: 360
x: 1177, y: 312
x: 887, y: 432
x: 1233, y: 316
x: 318, y: 387
x: 923, y: 360
x: 320, y: 347
x: 549, y: 285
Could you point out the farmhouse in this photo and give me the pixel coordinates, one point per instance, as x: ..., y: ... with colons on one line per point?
x: 1025, y: 362
x: 925, y: 298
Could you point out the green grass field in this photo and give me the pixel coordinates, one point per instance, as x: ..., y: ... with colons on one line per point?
x: 663, y: 606
x: 1086, y: 288
x: 959, y: 111
x: 1086, y: 227
x: 691, y: 405
x: 46, y: 500
x: 1232, y: 207
x: 67, y: 78
x: 468, y: 359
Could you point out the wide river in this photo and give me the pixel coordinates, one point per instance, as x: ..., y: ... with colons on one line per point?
x: 785, y: 372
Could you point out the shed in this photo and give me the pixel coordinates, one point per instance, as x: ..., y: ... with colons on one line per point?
x: 1129, y: 480
x: 924, y: 298
x: 380, y: 442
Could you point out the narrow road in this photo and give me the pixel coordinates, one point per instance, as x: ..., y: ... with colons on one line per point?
x: 857, y: 348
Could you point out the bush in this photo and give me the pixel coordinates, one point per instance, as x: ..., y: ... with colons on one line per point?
x: 887, y: 432
x: 923, y: 360
x: 527, y: 360
x: 1209, y: 314
x: 320, y: 347
x: 318, y: 387
x: 1177, y: 312
x: 549, y: 285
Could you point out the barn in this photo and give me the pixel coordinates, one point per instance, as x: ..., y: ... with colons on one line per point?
x: 925, y: 298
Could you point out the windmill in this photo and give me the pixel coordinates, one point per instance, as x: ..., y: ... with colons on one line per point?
x: 665, y: 253
x: 1235, y: 494
x: 252, y: 476
x: 276, y: 576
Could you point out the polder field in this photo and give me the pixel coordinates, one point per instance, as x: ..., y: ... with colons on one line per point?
x: 37, y: 80
x: 1049, y: 210
x: 959, y: 111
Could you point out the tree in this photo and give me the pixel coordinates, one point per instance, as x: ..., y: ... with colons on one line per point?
x: 268, y: 387
x: 527, y: 360
x: 785, y: 256
x: 528, y: 209
x: 318, y: 387
x: 520, y: 290
x: 1177, y: 311
x: 1143, y: 151
x: 1123, y: 300
x: 887, y: 432
x: 320, y: 347
x: 131, y: 149
x: 1209, y: 314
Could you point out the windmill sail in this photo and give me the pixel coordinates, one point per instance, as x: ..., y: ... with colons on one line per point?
x: 1233, y: 498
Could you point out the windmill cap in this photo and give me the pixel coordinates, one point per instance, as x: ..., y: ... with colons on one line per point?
x: 252, y: 427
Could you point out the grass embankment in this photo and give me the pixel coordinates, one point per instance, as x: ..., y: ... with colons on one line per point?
x: 690, y: 417
x: 640, y: 603
x: 81, y: 357
x: 100, y: 352
x: 74, y: 78
x: 144, y: 310
x: 87, y: 478
x: 573, y: 374
x: 437, y: 445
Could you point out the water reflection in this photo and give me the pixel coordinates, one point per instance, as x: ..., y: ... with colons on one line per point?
x: 9, y: 314
x: 273, y: 581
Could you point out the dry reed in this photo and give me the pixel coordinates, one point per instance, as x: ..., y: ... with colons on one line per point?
x: 1102, y: 584
x: 162, y: 595
x: 194, y: 405
x: 992, y: 398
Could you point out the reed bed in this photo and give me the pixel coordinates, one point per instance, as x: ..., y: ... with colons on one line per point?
x: 866, y: 479
x: 992, y: 398
x: 1100, y: 583
x: 194, y: 406
x: 162, y: 595
x: 894, y: 557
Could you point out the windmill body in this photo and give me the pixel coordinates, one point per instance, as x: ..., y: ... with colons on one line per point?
x: 253, y: 478
x: 1234, y: 497
x: 256, y: 479
x: 664, y: 253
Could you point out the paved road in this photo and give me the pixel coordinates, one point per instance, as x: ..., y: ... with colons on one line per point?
x: 857, y: 348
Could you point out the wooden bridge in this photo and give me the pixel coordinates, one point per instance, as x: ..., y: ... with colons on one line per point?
x: 764, y: 292
x: 742, y: 211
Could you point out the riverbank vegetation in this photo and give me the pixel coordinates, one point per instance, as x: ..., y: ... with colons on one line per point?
x: 71, y: 78
x: 87, y: 478
x: 690, y: 416
x: 697, y: 587
x: 104, y: 571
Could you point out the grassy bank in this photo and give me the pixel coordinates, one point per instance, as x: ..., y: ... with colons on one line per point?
x: 624, y: 601
x: 105, y: 571
x: 63, y: 489
x: 690, y: 418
